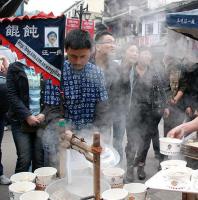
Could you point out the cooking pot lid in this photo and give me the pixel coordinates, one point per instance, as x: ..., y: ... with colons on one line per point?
x: 109, y: 158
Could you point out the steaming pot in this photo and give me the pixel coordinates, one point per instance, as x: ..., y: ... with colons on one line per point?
x: 81, y: 186
x: 109, y: 158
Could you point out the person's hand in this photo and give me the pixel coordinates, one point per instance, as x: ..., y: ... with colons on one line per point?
x: 32, y: 120
x: 4, y: 64
x: 176, y: 132
x: 196, y: 113
x: 173, y: 101
x: 166, y: 113
x: 40, y: 117
x: 65, y: 139
x: 189, y: 111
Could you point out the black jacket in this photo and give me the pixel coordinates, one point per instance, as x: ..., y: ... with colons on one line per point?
x: 191, y: 93
x: 18, y: 92
x: 3, y: 95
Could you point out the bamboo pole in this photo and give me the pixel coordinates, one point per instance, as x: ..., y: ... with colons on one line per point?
x: 96, y: 166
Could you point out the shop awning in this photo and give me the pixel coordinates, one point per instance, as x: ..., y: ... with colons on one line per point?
x: 9, y: 7
x: 184, y: 22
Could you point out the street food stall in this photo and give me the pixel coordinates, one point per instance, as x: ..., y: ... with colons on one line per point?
x: 182, y: 43
x: 182, y: 39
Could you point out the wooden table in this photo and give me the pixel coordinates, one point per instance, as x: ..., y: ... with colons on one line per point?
x: 157, y: 182
x: 189, y: 196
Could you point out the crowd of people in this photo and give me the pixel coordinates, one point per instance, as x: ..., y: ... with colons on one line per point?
x: 100, y: 90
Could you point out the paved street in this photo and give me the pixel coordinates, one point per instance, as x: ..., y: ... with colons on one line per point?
x: 9, y: 159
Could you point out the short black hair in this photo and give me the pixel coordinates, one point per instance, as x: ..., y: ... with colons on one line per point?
x: 101, y: 27
x: 78, y: 39
x: 52, y: 32
x: 100, y: 34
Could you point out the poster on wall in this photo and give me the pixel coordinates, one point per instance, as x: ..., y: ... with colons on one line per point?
x: 87, y: 25
x: 37, y: 40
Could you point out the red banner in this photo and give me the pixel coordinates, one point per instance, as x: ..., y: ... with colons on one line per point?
x: 87, y: 25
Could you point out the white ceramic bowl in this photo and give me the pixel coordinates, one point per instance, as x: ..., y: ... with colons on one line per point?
x: 23, y: 176
x: 177, y: 177
x: 170, y: 146
x: 136, y: 191
x: 35, y: 195
x: 173, y: 163
x: 45, y: 176
x: 194, y: 179
x: 18, y: 188
x: 115, y: 194
x: 114, y: 176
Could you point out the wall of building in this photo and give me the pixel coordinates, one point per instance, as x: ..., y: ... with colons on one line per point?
x: 155, y: 20
x: 96, y: 6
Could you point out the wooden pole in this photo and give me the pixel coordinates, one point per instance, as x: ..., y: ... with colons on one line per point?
x: 62, y: 154
x: 189, y: 196
x: 96, y: 166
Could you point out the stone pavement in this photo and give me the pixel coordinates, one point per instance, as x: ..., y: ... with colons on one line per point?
x: 9, y: 160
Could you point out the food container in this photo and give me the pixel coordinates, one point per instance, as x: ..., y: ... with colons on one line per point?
x: 115, y: 194
x: 170, y: 146
x: 137, y: 191
x: 23, y: 176
x: 194, y: 179
x: 173, y: 163
x: 114, y: 176
x: 35, y: 195
x: 18, y: 188
x: 80, y: 187
x: 44, y: 176
x: 177, y: 177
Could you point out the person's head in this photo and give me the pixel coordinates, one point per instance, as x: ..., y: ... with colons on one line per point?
x: 145, y: 57
x: 173, y: 65
x: 101, y: 27
x: 78, y: 45
x: 131, y: 54
x: 105, y: 43
x: 52, y: 37
x: 190, y: 63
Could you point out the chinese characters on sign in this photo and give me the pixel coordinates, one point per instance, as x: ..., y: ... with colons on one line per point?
x: 37, y: 40
x: 13, y: 30
x: 87, y: 25
x: 183, y: 20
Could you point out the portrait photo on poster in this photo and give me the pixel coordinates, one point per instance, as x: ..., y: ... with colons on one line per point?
x: 51, y: 37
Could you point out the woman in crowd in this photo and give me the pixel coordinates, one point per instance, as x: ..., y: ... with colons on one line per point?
x: 175, y: 93
x: 4, y: 63
x: 146, y: 107
x: 25, y: 94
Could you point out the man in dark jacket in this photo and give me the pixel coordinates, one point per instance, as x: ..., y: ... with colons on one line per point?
x: 147, y: 105
x: 25, y: 97
x: 3, y: 109
x: 104, y: 58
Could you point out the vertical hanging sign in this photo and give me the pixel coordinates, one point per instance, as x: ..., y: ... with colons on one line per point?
x: 39, y: 40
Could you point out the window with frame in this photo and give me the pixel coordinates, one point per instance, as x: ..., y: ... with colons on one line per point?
x: 149, y: 29
x: 162, y: 28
